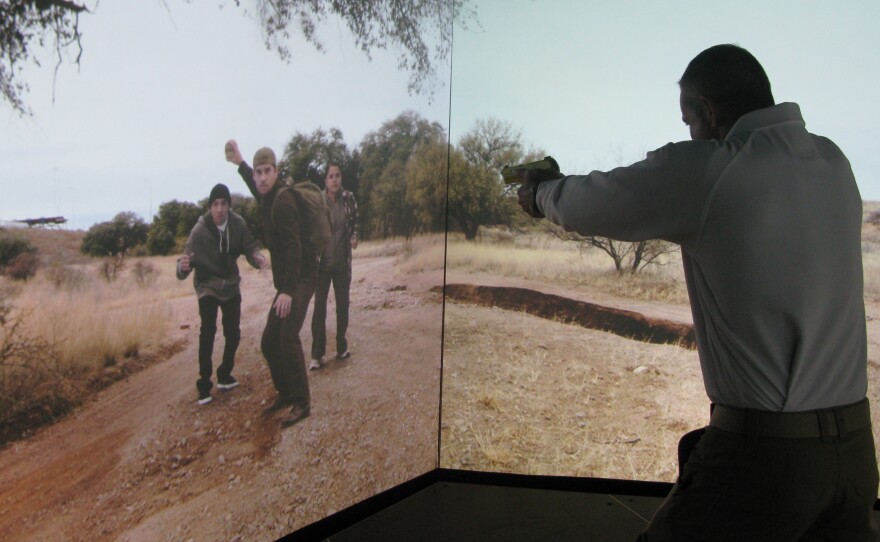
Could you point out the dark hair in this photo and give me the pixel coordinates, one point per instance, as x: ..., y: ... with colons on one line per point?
x: 330, y: 164
x: 731, y: 78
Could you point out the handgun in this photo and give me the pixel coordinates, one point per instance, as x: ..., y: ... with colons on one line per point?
x: 548, y: 164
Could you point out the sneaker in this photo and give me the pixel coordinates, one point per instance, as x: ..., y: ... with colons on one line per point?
x: 344, y: 355
x: 316, y: 364
x: 297, y: 414
x: 280, y: 402
x: 205, y: 397
x: 227, y: 383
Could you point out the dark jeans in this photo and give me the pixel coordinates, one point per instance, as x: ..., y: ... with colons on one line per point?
x: 736, y: 487
x: 283, y: 350
x: 341, y: 279
x: 231, y: 310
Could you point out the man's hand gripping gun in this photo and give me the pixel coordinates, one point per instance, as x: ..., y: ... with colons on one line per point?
x: 544, y: 169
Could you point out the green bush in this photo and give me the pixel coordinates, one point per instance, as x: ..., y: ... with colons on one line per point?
x: 12, y: 245
x: 117, y: 236
x: 23, y: 266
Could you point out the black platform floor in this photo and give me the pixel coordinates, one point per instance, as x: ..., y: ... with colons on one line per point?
x: 460, y: 506
x: 456, y: 512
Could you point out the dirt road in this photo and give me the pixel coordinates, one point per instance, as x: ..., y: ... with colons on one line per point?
x: 142, y: 461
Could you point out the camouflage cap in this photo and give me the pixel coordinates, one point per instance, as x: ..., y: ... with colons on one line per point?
x: 264, y: 156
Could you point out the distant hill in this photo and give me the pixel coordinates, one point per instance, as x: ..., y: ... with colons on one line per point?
x: 54, y: 244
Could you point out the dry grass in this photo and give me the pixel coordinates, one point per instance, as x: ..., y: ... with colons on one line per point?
x: 88, y: 331
x: 544, y: 257
x: 539, y: 402
x: 871, y: 260
x: 419, y: 254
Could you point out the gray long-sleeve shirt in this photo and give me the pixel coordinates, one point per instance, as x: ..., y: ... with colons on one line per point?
x: 769, y: 222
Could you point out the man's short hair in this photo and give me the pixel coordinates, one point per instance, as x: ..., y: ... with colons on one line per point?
x: 264, y: 156
x: 731, y: 78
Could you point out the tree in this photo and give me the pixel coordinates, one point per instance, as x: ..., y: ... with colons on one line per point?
x: 426, y: 180
x: 115, y: 237
x: 628, y: 256
x: 477, y: 194
x: 384, y: 156
x: 419, y: 30
x: 174, y: 221
x: 492, y: 144
x: 406, y: 25
x: 306, y: 157
x: 25, y: 24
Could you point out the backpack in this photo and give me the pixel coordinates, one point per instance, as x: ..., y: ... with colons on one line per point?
x: 314, y: 215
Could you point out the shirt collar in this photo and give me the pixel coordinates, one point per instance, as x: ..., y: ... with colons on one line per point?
x: 765, y: 118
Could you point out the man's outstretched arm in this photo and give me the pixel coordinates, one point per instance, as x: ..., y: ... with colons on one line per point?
x: 233, y: 155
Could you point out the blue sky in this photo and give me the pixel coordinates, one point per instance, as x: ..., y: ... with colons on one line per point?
x: 592, y: 83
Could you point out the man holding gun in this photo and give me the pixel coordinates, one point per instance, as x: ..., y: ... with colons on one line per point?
x: 768, y: 217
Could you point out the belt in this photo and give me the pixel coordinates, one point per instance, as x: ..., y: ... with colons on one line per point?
x: 824, y: 423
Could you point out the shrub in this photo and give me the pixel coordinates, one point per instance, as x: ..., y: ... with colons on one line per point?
x: 65, y: 277
x: 111, y: 266
x: 23, y: 266
x: 25, y: 364
x: 117, y: 236
x: 145, y: 273
x: 11, y: 246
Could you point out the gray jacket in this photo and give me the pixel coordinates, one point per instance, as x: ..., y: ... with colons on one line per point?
x: 769, y: 223
x: 215, y: 262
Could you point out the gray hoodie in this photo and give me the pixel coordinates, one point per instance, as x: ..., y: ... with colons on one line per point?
x: 215, y: 255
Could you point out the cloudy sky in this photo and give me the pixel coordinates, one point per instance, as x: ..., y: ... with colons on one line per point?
x: 159, y: 92
x: 592, y: 83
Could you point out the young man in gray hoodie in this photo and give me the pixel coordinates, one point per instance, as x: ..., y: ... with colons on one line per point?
x: 214, y: 245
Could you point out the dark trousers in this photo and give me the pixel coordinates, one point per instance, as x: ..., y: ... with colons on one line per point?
x: 736, y: 487
x: 283, y: 349
x: 231, y: 310
x: 341, y: 279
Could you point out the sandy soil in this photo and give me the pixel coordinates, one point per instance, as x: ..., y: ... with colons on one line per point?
x: 142, y: 461
x: 535, y: 396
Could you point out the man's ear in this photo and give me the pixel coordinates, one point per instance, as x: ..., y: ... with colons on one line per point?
x: 711, y: 112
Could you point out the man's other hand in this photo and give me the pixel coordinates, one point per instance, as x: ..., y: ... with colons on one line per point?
x: 261, y: 260
x: 186, y: 262
x: 232, y: 153
x: 282, y: 305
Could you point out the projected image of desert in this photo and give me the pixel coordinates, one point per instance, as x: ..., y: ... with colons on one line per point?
x: 550, y: 364
x: 574, y: 356
x: 111, y: 158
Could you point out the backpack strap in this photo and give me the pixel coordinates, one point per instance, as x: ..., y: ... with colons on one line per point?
x: 275, y: 203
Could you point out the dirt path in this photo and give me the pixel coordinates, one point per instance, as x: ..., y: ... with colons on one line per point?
x: 141, y: 461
